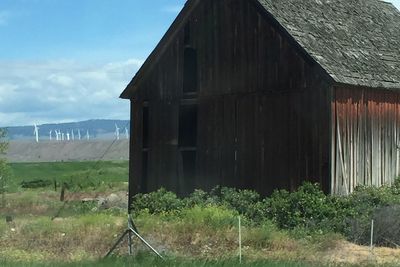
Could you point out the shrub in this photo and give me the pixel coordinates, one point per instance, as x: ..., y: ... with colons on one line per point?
x: 157, y: 202
x: 307, y: 207
x: 200, y: 198
x: 246, y: 202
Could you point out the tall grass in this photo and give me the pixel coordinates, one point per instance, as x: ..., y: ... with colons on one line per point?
x: 79, y: 175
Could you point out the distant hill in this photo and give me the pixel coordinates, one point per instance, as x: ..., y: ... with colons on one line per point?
x: 98, y: 129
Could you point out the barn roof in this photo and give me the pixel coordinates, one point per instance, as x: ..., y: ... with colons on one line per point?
x: 356, y: 41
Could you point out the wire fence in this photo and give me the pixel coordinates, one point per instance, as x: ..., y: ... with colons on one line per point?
x: 382, y: 228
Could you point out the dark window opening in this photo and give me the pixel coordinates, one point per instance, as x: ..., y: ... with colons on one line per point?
x: 145, y: 169
x: 190, y: 71
x: 145, y: 124
x: 186, y: 37
x: 187, y: 126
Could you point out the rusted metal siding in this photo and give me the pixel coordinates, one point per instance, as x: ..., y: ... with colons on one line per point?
x: 263, y: 107
x: 365, y: 137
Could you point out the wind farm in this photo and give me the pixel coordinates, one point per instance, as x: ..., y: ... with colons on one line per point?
x: 65, y: 142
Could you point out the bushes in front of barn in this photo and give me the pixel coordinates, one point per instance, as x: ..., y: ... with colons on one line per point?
x: 245, y: 202
x: 306, y: 211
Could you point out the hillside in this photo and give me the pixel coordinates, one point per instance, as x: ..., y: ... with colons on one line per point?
x: 98, y: 129
x: 46, y: 151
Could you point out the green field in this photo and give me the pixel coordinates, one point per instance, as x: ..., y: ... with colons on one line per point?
x: 79, y: 175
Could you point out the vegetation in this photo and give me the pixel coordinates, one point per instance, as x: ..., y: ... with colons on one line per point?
x: 307, y: 211
x: 304, y: 226
x: 79, y: 176
x: 147, y: 260
x: 4, y: 170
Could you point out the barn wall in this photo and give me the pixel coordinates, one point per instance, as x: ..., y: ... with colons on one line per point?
x: 262, y: 107
x: 365, y: 138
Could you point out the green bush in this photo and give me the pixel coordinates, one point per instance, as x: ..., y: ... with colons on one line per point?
x: 157, y: 202
x: 307, y: 207
x: 305, y: 212
x: 246, y: 202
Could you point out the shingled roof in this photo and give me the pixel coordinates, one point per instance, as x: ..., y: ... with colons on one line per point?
x: 356, y: 41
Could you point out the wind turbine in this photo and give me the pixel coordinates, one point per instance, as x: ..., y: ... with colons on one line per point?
x: 36, y: 132
x: 72, y: 135
x: 87, y: 135
x: 79, y: 134
x: 51, y: 135
x: 117, y: 131
x: 126, y: 133
x: 62, y: 136
x: 67, y: 136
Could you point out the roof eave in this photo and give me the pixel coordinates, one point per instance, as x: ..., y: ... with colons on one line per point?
x: 159, y: 49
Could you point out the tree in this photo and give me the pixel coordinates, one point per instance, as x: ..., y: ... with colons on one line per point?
x: 3, y: 164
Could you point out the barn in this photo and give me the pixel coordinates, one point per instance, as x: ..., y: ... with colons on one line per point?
x: 267, y: 94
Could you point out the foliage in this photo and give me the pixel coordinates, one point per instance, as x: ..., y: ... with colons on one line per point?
x: 246, y: 202
x: 157, y: 202
x: 4, y: 169
x: 3, y: 142
x: 307, y: 207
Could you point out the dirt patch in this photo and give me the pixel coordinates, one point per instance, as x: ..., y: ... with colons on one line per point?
x: 346, y: 252
x: 52, y: 151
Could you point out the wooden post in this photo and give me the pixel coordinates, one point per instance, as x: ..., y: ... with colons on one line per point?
x: 62, y: 195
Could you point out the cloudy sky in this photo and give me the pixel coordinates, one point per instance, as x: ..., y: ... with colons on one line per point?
x: 68, y: 60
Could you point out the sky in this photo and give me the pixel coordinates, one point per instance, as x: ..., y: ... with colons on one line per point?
x: 69, y: 60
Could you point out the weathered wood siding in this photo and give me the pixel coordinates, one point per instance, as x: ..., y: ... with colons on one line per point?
x: 365, y: 137
x: 263, y: 107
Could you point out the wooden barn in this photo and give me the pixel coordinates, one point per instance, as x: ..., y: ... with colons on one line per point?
x: 266, y: 94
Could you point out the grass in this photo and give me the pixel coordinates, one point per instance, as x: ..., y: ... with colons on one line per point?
x: 149, y: 260
x: 81, y: 235
x: 79, y: 175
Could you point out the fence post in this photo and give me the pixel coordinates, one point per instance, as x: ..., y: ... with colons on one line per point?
x: 372, y: 235
x: 240, y: 241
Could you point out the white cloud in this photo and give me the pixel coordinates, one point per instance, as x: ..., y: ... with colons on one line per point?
x: 59, y: 91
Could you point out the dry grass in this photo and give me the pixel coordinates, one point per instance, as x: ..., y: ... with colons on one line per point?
x: 200, y: 233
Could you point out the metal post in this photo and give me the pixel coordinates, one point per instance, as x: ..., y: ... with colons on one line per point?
x: 145, y: 242
x: 129, y: 235
x: 240, y: 241
x: 372, y: 235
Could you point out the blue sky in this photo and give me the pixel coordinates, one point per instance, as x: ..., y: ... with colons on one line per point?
x: 68, y: 60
